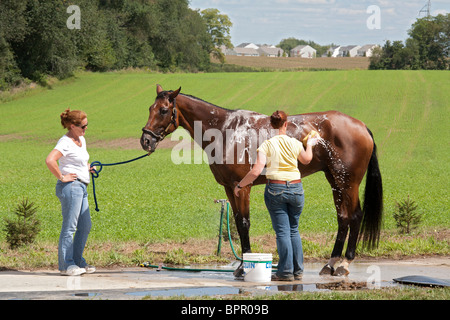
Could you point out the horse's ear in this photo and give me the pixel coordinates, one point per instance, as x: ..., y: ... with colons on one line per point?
x: 174, y: 94
x: 159, y: 89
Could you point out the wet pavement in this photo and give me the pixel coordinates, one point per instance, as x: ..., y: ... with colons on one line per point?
x: 136, y: 283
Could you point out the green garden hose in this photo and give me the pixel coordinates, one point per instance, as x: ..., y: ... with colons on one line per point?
x: 161, y: 267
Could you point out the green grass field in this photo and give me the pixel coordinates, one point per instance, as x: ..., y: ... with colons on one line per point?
x: 154, y: 200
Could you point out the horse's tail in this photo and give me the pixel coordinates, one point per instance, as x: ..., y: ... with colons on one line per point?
x: 373, y: 202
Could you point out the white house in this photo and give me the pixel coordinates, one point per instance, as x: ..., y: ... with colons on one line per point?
x: 227, y: 51
x: 366, y: 51
x: 303, y: 51
x: 248, y: 45
x: 247, y: 52
x: 270, y: 51
x: 333, y: 52
x: 349, y: 51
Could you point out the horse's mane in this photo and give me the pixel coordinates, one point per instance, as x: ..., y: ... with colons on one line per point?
x: 164, y: 93
x: 201, y: 100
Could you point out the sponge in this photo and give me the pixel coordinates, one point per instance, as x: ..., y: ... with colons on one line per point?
x: 311, y: 134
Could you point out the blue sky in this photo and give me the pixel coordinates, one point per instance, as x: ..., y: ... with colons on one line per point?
x: 342, y: 22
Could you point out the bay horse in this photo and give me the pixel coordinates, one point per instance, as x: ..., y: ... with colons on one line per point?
x: 346, y: 153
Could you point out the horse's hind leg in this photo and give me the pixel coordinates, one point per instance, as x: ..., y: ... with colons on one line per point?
x: 354, y: 212
x: 346, y: 200
x: 328, y: 269
x: 343, y: 225
x: 355, y: 223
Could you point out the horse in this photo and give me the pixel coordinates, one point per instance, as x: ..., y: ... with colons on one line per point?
x: 346, y: 153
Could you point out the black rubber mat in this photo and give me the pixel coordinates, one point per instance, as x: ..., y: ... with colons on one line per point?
x: 423, y: 281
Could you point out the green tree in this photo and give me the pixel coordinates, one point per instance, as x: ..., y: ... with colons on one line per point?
x: 47, y: 47
x: 12, y: 28
x: 181, y: 40
x: 218, y: 26
x: 290, y: 43
x: 24, y: 229
x: 129, y: 25
x: 9, y: 72
x: 427, y: 47
x: 35, y: 40
x: 432, y: 36
x: 93, y: 44
x: 406, y: 217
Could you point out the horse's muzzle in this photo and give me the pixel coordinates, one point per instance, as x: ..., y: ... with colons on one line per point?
x: 148, y: 142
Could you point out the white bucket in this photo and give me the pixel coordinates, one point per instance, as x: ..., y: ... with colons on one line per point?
x: 257, y: 267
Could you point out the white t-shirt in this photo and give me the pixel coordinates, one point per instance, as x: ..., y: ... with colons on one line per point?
x: 75, y: 159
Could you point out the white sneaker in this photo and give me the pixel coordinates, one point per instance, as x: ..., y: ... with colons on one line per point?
x: 89, y: 269
x: 73, y: 271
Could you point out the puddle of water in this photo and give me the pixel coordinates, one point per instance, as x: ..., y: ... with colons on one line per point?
x: 210, y: 291
x: 87, y: 294
x: 322, y: 287
x: 293, y: 288
x: 187, y: 292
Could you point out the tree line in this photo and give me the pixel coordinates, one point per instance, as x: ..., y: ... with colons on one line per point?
x: 427, y: 47
x: 35, y: 38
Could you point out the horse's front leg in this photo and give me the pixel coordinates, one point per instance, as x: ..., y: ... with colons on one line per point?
x: 241, y: 211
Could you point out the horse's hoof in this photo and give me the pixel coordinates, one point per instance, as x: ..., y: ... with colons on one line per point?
x: 327, y: 270
x: 239, y: 273
x: 341, y: 271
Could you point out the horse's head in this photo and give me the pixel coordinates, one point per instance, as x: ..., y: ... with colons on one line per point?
x: 162, y: 120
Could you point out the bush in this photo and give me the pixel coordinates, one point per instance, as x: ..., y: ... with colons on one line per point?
x: 406, y: 216
x: 25, y: 228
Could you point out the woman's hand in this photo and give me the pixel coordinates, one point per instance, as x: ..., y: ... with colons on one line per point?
x: 92, y: 169
x: 70, y: 177
x: 312, y: 141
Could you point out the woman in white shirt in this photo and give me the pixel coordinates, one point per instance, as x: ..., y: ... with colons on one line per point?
x: 71, y: 189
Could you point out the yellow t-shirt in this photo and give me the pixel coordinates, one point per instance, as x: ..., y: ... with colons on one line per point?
x: 282, y: 153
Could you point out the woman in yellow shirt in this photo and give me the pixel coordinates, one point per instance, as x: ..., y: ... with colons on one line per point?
x: 283, y: 195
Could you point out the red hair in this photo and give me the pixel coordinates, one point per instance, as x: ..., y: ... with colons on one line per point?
x: 72, y: 117
x: 277, y: 119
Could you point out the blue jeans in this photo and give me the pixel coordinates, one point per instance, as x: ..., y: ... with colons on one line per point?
x: 285, y: 204
x: 76, y: 220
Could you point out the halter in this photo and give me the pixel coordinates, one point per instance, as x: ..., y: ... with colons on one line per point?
x: 173, y: 121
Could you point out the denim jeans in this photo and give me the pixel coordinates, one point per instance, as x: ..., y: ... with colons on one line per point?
x: 76, y: 220
x: 285, y: 204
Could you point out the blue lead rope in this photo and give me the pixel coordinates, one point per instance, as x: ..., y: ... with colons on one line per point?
x: 97, y: 171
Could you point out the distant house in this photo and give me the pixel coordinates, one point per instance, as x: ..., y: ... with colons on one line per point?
x: 247, y: 52
x: 367, y: 50
x: 270, y: 51
x: 303, y: 51
x: 349, y: 51
x: 333, y: 52
x: 248, y: 45
x: 227, y: 51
